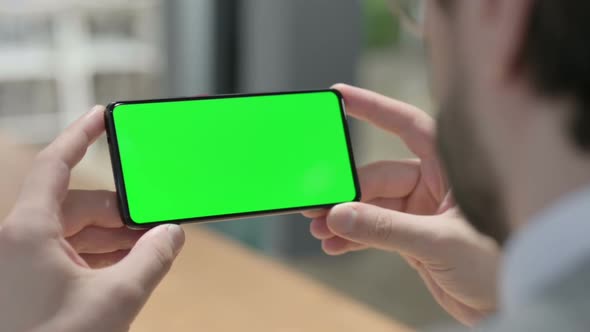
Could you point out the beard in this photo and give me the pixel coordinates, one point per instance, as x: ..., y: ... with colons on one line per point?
x: 472, y: 178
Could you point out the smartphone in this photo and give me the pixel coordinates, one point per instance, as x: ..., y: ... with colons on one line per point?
x: 228, y: 157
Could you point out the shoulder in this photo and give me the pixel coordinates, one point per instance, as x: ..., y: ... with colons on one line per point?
x: 564, y: 306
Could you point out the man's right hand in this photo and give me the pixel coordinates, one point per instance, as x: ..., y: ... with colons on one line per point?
x: 67, y: 263
x: 407, y: 208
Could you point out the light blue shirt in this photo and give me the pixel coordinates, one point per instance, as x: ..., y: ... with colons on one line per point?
x: 552, y: 245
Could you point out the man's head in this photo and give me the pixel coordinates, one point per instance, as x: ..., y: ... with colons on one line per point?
x: 513, y: 79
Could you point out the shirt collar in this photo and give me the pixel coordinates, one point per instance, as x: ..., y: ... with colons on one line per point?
x: 548, y: 248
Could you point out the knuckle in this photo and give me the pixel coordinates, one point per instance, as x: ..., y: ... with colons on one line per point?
x: 445, y: 240
x: 10, y: 235
x: 126, y: 294
x: 46, y: 156
x: 381, y: 228
x: 163, y: 257
x: 47, y: 159
x: 33, y: 222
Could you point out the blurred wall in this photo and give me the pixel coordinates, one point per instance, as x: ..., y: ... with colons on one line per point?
x: 190, y: 49
x: 308, y: 44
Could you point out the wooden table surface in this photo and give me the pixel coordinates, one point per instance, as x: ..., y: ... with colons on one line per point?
x: 218, y: 285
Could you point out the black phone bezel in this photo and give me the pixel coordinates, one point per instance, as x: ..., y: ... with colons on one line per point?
x: 118, y: 170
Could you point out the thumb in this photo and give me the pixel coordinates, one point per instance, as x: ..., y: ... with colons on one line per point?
x: 151, y: 258
x: 382, y: 228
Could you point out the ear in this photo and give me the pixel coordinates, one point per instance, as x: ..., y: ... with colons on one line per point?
x: 508, y: 22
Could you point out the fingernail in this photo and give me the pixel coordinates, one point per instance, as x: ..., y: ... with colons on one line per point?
x: 343, y: 219
x: 176, y: 236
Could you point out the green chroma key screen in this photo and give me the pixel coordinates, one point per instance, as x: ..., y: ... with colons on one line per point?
x: 222, y: 157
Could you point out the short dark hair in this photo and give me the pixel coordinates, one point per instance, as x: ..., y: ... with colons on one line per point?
x: 556, y: 53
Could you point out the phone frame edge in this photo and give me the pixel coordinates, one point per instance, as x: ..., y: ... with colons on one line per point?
x: 118, y: 169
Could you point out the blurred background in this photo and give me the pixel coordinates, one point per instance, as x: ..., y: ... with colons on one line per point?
x: 60, y: 57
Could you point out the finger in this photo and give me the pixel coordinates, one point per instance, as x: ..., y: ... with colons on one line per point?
x: 319, y: 229
x: 47, y: 183
x: 396, y: 204
x: 463, y: 313
x: 84, y: 208
x: 339, y: 246
x: 383, y: 179
x: 412, y: 125
x: 315, y: 213
x: 96, y: 240
x: 382, y: 228
x: 150, y: 259
x: 99, y: 261
x: 388, y: 179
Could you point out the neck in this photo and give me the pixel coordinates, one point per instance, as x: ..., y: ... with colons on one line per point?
x: 549, y: 166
